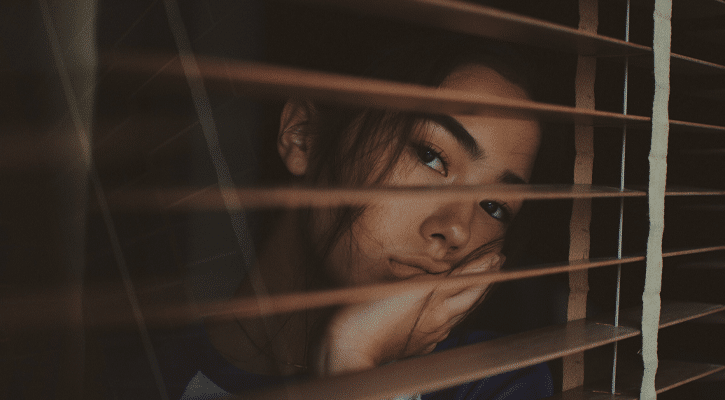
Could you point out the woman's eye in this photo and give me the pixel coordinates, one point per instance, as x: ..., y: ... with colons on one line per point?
x: 496, y: 210
x: 432, y: 158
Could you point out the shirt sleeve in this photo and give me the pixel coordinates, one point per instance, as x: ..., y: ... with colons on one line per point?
x: 202, y: 388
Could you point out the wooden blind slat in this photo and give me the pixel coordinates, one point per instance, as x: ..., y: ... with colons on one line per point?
x: 493, y: 23
x: 694, y: 127
x: 670, y: 374
x: 675, y: 191
x: 26, y: 152
x: 164, y: 304
x: 681, y: 65
x: 674, y: 253
x: 452, y: 367
x: 295, y: 197
x: 678, y: 191
x: 712, y: 319
x: 689, y: 65
x: 581, y: 393
x: 458, y: 16
x: 259, y: 79
x: 678, y: 312
x: 164, y: 301
x: 672, y: 313
x: 266, y: 80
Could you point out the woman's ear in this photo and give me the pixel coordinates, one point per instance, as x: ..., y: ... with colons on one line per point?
x: 293, y: 139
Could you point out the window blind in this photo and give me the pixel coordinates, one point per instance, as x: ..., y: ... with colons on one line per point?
x: 153, y: 101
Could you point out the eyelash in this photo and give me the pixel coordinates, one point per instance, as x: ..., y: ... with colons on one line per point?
x: 494, y: 207
x: 423, y: 149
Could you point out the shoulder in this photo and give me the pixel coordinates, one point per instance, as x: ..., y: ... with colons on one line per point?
x: 193, y: 367
x: 532, y: 382
x: 188, y: 365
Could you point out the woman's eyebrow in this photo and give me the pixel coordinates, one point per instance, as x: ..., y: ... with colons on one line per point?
x: 462, y: 136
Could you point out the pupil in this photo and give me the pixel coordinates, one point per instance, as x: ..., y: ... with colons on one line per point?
x: 427, y: 155
x: 488, y: 206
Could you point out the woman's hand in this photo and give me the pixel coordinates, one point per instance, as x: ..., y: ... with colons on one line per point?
x: 363, y: 336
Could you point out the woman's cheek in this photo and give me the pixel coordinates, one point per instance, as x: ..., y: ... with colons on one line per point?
x: 488, y: 231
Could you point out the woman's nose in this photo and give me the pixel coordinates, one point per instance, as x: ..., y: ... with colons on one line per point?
x: 448, y: 228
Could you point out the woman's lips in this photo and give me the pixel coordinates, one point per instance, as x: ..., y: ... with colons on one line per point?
x: 404, y: 271
x: 406, y: 268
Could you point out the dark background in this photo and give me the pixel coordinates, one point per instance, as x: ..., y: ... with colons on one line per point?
x: 146, y: 135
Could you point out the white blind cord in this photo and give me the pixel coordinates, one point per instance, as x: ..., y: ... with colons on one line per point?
x: 651, y: 300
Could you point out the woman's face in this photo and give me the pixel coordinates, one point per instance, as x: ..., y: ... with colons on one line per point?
x: 396, y: 240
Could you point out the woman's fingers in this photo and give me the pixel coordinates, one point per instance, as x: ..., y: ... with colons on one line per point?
x: 460, y: 304
x: 446, y: 308
x: 491, y: 262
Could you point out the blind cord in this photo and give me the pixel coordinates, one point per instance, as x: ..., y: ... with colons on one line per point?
x: 621, y: 202
x: 75, y: 171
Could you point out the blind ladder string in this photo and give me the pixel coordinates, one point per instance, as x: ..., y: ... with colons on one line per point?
x: 75, y: 172
x: 621, y: 202
x: 204, y: 111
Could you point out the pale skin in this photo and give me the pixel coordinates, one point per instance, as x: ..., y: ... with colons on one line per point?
x: 393, y: 241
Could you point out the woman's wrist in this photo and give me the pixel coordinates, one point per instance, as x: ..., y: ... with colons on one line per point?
x: 335, y: 361
x: 345, y: 361
x: 336, y: 356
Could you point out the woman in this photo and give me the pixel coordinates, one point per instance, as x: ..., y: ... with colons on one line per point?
x: 303, y: 250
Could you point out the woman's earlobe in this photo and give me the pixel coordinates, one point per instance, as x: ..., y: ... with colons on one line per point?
x: 292, y: 141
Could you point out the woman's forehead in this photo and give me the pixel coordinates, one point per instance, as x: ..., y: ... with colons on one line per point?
x: 506, y: 143
x: 481, y: 79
